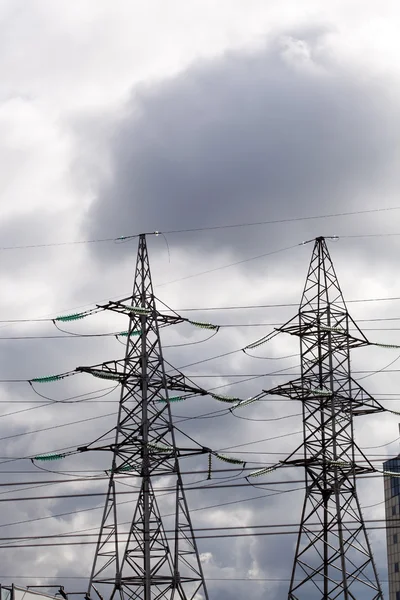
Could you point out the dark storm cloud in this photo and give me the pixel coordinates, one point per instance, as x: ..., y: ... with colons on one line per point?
x: 279, y: 132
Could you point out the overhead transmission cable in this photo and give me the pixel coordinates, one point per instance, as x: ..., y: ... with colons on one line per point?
x: 207, y: 228
x: 49, y: 319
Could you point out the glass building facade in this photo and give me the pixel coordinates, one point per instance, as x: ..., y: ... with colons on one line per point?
x: 392, y: 510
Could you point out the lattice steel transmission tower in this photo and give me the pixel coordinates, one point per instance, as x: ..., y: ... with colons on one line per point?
x: 333, y: 558
x: 145, y: 561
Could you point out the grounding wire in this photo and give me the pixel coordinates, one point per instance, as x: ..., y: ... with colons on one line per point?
x: 123, y: 238
x: 287, y: 220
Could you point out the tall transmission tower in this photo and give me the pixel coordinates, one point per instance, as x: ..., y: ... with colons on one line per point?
x: 332, y: 560
x: 145, y: 561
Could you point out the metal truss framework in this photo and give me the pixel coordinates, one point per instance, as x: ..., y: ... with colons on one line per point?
x: 333, y: 561
x: 145, y: 562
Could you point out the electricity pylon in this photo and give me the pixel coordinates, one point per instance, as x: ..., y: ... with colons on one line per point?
x: 145, y: 562
x: 333, y: 560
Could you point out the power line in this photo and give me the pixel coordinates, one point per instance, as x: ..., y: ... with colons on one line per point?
x: 210, y: 536
x: 291, y: 374
x: 69, y: 243
x: 210, y: 228
x: 378, y: 458
x: 82, y: 532
x: 276, y: 221
x: 234, y: 264
x: 198, y: 309
x: 243, y: 579
x: 282, y: 371
x: 68, y: 336
x: 7, y: 459
x: 196, y: 509
x: 207, y: 507
x: 121, y: 477
x: 276, y: 305
x: 206, y: 487
x: 14, y: 435
x: 171, y: 489
x: 382, y: 396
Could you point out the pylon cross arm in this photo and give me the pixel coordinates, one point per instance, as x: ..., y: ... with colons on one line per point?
x: 130, y: 308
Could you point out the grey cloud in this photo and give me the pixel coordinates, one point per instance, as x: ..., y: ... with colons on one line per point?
x: 244, y: 138
x: 248, y: 137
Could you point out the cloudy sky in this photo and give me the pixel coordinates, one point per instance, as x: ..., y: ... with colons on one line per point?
x: 123, y: 117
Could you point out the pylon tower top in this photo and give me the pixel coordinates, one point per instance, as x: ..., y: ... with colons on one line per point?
x: 333, y: 559
x: 145, y: 561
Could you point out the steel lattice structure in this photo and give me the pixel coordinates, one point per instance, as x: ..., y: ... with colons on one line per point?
x: 333, y: 561
x: 145, y: 562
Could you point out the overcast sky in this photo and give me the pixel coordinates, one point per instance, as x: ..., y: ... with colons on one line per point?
x: 124, y: 117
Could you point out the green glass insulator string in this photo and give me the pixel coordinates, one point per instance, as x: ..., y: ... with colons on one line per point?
x: 135, y: 332
x: 171, y: 399
x: 51, y: 378
x: 229, y: 459
x: 77, y: 316
x: 222, y: 398
x: 139, y: 310
x: 263, y: 471
x: 49, y: 457
x: 48, y: 379
x: 202, y: 325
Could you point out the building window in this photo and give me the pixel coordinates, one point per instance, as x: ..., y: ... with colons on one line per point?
x: 395, y: 538
x: 393, y: 510
x: 396, y: 567
x: 397, y: 595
